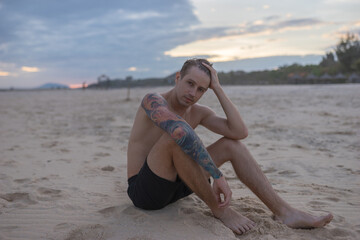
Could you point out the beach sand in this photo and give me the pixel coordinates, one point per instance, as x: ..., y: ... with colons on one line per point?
x: 63, y: 164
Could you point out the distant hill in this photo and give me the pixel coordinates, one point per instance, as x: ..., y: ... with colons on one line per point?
x: 53, y: 86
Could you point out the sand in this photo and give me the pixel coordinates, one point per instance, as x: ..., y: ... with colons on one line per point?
x: 63, y: 164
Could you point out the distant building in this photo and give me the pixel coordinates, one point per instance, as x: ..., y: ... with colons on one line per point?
x: 326, y: 76
x: 311, y: 78
x: 339, y: 76
x: 354, y: 78
x: 295, y: 78
x: 103, y: 78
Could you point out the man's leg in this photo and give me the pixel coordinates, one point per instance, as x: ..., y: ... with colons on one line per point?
x: 249, y: 172
x: 166, y: 160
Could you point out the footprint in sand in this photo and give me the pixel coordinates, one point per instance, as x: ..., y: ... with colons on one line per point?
x: 101, y: 154
x: 185, y: 210
x: 297, y: 146
x: 94, y: 232
x: 13, y: 148
x: 270, y: 170
x: 357, y: 228
x: 251, y: 209
x: 50, y: 144
x: 317, y: 203
x: 108, y: 168
x: 48, y: 194
x: 254, y: 144
x: 137, y: 215
x: 341, y: 233
x: 22, y: 180
x: 333, y: 199
x: 140, y: 238
x: 64, y: 150
x: 62, y: 226
x: 9, y: 163
x: 287, y: 172
x: 18, y: 197
x: 107, y: 212
x: 64, y: 160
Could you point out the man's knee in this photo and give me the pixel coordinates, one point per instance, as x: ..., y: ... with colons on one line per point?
x: 232, y: 146
x: 166, y: 143
x: 169, y: 141
x: 160, y: 158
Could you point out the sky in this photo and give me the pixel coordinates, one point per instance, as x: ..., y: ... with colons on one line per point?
x: 75, y: 41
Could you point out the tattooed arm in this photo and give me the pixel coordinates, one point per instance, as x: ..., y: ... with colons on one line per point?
x: 157, y: 110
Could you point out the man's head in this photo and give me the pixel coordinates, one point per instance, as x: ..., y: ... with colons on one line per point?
x: 192, y: 81
x: 195, y: 62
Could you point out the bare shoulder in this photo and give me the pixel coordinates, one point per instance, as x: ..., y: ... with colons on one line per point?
x: 153, y: 97
x: 202, y: 111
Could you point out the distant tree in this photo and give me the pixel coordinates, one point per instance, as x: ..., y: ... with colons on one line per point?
x: 128, y: 79
x: 328, y: 60
x: 348, y: 51
x: 356, y: 65
x: 103, y: 78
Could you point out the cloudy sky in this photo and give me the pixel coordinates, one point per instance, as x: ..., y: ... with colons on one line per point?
x: 75, y: 41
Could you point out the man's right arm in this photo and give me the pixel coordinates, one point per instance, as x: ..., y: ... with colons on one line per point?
x: 157, y: 110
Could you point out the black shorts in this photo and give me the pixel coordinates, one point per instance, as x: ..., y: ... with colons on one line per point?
x: 150, y: 192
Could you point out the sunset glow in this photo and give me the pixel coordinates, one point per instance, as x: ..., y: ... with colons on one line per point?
x: 77, y: 85
x: 4, y: 74
x: 30, y: 69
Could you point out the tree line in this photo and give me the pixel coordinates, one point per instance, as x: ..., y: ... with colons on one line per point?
x: 335, y: 67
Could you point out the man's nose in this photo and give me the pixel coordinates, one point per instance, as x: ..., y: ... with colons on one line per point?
x: 192, y: 92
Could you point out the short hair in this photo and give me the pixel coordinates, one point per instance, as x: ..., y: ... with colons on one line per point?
x: 195, y: 62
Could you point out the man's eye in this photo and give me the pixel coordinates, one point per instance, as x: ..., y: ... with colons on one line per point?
x: 190, y: 83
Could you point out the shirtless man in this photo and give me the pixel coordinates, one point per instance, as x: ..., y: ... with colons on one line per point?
x: 167, y: 160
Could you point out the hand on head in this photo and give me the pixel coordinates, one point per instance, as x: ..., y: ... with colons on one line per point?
x: 214, y: 81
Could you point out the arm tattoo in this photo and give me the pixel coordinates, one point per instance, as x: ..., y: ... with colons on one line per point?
x: 157, y: 110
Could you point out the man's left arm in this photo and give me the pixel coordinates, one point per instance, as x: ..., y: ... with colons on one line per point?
x: 233, y: 126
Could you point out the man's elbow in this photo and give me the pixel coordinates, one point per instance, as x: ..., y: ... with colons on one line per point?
x: 239, y: 135
x: 245, y: 134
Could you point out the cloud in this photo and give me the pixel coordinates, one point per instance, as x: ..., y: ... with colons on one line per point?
x: 84, y: 38
x: 136, y: 69
x: 139, y: 15
x: 272, y: 24
x: 239, y: 42
x: 4, y: 74
x: 29, y: 69
x: 298, y: 23
x: 340, y: 1
x: 72, y: 41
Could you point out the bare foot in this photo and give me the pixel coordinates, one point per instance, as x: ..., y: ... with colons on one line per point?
x: 298, y: 219
x: 235, y: 221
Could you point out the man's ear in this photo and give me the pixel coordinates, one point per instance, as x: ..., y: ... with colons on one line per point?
x: 177, y: 77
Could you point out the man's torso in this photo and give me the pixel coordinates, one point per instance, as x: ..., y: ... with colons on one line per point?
x: 145, y: 134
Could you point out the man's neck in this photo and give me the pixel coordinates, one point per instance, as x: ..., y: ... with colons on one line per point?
x: 174, y: 104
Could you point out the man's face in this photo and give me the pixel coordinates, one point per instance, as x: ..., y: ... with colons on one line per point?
x: 192, y: 86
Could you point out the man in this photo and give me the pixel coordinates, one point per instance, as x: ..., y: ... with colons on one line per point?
x: 167, y: 161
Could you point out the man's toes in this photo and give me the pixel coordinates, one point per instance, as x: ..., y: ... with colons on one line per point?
x: 246, y: 227
x: 242, y: 229
x: 237, y: 231
x: 250, y: 226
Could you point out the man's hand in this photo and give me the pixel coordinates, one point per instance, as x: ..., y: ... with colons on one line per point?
x: 215, y: 83
x: 220, y: 186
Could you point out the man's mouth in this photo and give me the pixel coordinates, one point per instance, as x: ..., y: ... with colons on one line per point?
x: 188, y: 99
